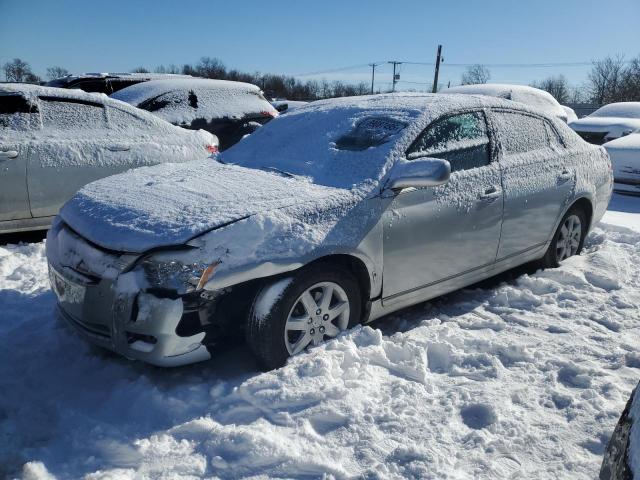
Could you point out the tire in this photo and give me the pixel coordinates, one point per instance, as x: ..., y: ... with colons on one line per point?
x: 282, y: 331
x: 560, y: 248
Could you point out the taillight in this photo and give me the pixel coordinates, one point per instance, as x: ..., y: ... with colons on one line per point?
x: 269, y: 113
x: 212, y: 148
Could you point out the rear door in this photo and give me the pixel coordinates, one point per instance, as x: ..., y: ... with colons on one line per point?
x: 71, y: 152
x: 537, y: 182
x: 18, y: 120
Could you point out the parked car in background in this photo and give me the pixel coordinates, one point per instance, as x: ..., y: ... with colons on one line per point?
x: 534, y: 97
x: 571, y: 114
x: 53, y: 141
x: 625, y: 158
x: 108, y: 83
x: 336, y: 213
x: 230, y: 110
x: 609, y: 122
x: 622, y: 456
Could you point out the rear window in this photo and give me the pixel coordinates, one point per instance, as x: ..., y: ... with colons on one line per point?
x: 370, y: 132
x: 16, y: 112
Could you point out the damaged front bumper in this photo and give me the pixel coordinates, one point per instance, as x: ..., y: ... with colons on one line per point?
x: 139, y: 326
x: 98, y: 295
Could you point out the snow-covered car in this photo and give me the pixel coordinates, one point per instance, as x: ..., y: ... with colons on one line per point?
x: 622, y: 456
x: 53, y: 141
x: 609, y: 122
x: 625, y: 158
x: 336, y: 213
x: 571, y: 113
x: 108, y: 83
x: 230, y: 110
x: 534, y: 97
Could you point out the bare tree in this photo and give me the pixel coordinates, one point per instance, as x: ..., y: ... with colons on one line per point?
x: 630, y: 83
x: 476, y: 74
x: 17, y: 70
x: 556, y: 86
x: 605, y: 79
x: 56, y: 72
x: 139, y: 70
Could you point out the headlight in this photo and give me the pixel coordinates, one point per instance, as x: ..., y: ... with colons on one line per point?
x: 175, y: 275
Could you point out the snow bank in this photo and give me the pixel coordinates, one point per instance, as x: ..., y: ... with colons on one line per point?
x: 185, y: 99
x: 525, y: 378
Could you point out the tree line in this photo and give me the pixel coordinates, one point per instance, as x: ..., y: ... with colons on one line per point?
x: 611, y: 79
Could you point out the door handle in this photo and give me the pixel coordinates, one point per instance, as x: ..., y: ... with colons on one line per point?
x: 118, y: 148
x: 8, y: 154
x: 565, y: 176
x: 490, y: 194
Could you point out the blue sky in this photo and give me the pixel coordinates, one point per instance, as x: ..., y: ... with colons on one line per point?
x: 300, y: 37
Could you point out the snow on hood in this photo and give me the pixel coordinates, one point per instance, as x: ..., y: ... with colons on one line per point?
x: 531, y: 96
x: 619, y: 109
x: 186, y: 99
x: 169, y: 204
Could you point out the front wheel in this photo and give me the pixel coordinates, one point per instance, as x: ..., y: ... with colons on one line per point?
x: 568, y: 239
x: 315, y: 305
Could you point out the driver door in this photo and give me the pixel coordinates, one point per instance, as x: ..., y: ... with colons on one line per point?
x: 437, y: 238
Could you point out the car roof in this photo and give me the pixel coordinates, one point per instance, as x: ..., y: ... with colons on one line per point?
x: 116, y: 75
x: 138, y: 93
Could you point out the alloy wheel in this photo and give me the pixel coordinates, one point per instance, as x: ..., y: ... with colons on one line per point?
x: 569, y: 239
x: 322, y: 311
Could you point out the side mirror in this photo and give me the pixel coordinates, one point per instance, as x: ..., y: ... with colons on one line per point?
x: 423, y: 172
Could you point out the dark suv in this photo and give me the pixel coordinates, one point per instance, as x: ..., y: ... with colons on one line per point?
x: 107, y: 83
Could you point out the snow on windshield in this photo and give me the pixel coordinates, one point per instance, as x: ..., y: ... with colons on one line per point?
x: 340, y: 142
x: 621, y: 109
x: 181, y: 101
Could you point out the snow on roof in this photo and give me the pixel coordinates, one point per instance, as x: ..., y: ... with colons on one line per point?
x: 518, y: 93
x: 619, y: 109
x: 214, y: 98
x: 122, y: 75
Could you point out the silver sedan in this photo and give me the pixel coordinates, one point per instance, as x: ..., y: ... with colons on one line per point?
x: 335, y: 214
x: 53, y: 141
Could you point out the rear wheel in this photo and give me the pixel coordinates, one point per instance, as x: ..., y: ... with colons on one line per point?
x: 317, y: 304
x: 568, y: 239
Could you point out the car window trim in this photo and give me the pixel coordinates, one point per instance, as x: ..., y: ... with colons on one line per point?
x: 49, y: 98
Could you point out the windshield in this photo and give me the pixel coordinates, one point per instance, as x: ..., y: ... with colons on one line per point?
x: 338, y: 147
x: 622, y: 109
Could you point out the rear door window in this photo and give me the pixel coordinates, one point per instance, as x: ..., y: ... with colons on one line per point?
x: 17, y: 113
x: 521, y: 133
x: 69, y: 114
x: 461, y: 139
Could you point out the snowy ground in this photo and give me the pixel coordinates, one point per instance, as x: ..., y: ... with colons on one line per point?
x: 523, y: 377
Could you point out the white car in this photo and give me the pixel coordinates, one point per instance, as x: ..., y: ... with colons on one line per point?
x: 534, y: 97
x: 609, y: 122
x: 53, y: 141
x: 625, y: 157
x: 229, y: 110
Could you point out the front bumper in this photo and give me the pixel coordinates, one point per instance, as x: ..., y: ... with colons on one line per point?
x: 135, y: 324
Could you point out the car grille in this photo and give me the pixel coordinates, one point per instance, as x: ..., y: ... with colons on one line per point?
x: 597, y: 138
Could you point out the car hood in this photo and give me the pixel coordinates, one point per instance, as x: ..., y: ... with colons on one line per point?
x: 169, y: 204
x: 605, y: 124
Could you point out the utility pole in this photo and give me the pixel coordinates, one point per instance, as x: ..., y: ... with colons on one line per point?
x: 435, y: 78
x: 396, y: 77
x: 373, y: 74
